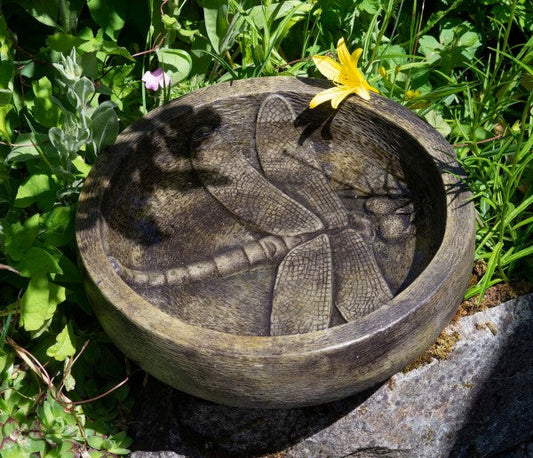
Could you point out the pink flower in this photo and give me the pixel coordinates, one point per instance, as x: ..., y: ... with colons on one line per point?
x: 156, y: 79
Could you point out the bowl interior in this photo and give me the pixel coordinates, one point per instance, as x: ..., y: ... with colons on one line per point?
x: 171, y: 206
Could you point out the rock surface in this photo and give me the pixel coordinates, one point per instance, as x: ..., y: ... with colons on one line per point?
x: 478, y: 402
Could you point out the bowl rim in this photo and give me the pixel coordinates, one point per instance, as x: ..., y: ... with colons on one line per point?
x: 142, y: 314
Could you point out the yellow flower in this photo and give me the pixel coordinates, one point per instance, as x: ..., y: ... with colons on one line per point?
x: 347, y: 77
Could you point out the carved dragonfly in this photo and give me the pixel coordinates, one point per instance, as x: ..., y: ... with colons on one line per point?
x: 322, y: 261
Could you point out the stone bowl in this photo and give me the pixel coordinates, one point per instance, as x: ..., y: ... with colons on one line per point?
x: 248, y: 250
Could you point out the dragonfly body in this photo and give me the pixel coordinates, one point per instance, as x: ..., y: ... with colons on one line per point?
x: 269, y: 250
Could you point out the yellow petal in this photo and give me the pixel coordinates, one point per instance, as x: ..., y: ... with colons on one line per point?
x: 327, y: 66
x: 370, y: 88
x: 362, y: 92
x: 348, y: 63
x: 341, y: 94
x: 335, y: 94
x: 355, y: 56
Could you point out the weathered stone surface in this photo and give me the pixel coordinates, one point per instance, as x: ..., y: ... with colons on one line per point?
x: 478, y: 402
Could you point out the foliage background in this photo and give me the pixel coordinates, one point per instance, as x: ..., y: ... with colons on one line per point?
x: 70, y: 80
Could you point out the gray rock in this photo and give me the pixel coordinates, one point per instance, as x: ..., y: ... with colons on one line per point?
x: 478, y: 402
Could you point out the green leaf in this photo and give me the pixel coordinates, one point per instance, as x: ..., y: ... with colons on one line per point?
x: 58, y: 226
x: 176, y: 62
x: 64, y: 346
x: 469, y: 39
x: 45, y: 11
x: 63, y: 42
x: 20, y: 237
x: 430, y: 47
x: 96, y: 442
x: 104, y: 123
x: 81, y: 92
x: 216, y: 21
x: 109, y: 47
x: 69, y: 11
x: 170, y: 23
x: 44, y: 110
x: 12, y: 449
x: 69, y: 381
x: 5, y: 125
x: 6, y: 78
x: 3, y: 359
x: 66, y: 449
x: 27, y: 150
x: 39, y: 302
x: 38, y: 261
x: 109, y: 15
x: 81, y: 166
x: 437, y: 121
x: 38, y: 188
x: 5, y: 96
x: 370, y: 6
x: 34, y: 305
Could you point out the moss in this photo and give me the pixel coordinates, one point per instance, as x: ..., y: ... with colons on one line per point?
x: 441, y: 349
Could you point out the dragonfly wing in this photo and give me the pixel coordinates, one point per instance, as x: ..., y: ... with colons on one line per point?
x: 359, y: 284
x: 237, y: 185
x: 292, y: 165
x: 303, y: 297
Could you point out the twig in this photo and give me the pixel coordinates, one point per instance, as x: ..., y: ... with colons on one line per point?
x: 419, y: 27
x: 57, y: 393
x: 153, y: 49
x: 11, y: 269
x: 116, y: 387
x: 163, y: 3
x: 487, y: 140
x: 302, y: 59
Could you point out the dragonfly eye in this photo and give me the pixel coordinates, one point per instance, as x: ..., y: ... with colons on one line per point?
x: 347, y: 193
x: 201, y: 134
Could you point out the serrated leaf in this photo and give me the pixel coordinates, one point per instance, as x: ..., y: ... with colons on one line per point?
x: 38, y: 188
x: 38, y: 261
x: 34, y: 305
x: 20, y: 237
x: 438, y: 122
x: 39, y: 302
x: 176, y: 62
x: 429, y: 46
x: 109, y: 47
x: 64, y: 345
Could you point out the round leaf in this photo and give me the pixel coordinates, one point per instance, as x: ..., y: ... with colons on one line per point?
x: 177, y: 63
